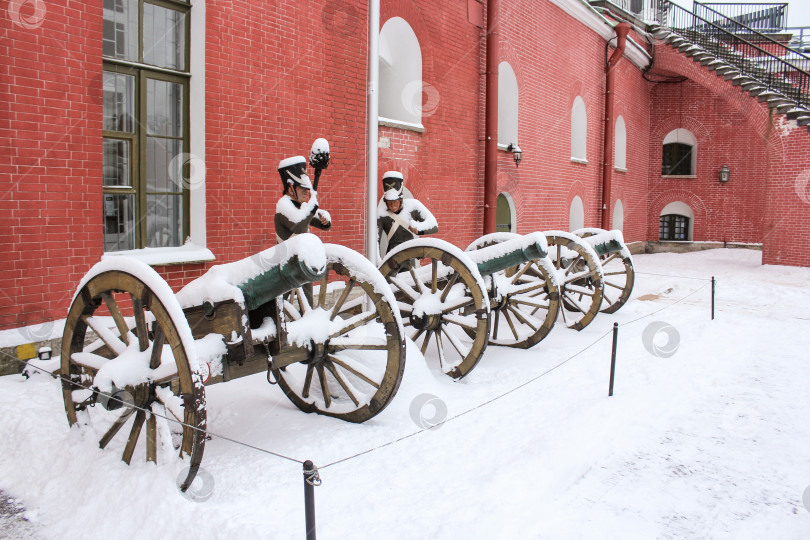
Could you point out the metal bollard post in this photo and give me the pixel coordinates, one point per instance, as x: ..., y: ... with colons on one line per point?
x: 713, y: 297
x: 311, y: 479
x: 613, y: 357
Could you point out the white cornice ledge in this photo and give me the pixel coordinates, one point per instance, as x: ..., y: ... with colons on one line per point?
x: 583, y: 12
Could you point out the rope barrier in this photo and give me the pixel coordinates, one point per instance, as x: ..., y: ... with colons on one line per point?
x: 672, y: 276
x: 400, y: 439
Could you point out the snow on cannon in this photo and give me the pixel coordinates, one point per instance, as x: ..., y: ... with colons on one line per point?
x: 617, y: 266
x: 448, y: 295
x: 319, y: 318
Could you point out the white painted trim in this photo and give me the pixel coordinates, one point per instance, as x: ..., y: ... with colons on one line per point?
x: 188, y: 253
x: 583, y: 12
x: 197, y: 217
x: 577, y: 160
x: 512, y: 211
x: 390, y: 122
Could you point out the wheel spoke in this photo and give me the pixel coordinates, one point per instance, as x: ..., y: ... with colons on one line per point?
x: 515, y: 300
x: 440, y: 349
x: 522, y: 318
x: 140, y: 416
x: 612, y: 256
x: 347, y: 346
x: 322, y: 290
x: 417, y: 282
x: 522, y: 271
x: 140, y: 323
x: 454, y: 319
x: 620, y: 287
x: 558, y: 262
x: 434, y: 270
x: 456, y: 344
x: 425, y: 343
x: 371, y: 315
x: 327, y: 396
x: 353, y: 371
x: 343, y: 384
x: 344, y: 295
x: 115, y: 427
x: 151, y: 439
x: 497, y: 324
x: 403, y: 287
x: 308, y: 381
x: 157, y: 348
x: 511, y: 324
x: 463, y: 302
x: 112, y: 306
x: 449, y: 285
x: 574, y: 303
x: 111, y: 340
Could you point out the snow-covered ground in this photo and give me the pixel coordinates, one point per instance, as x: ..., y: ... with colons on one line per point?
x: 707, y: 438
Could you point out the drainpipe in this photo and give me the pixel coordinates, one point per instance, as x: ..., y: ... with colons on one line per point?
x: 491, y: 127
x: 607, y: 168
x: 373, y: 126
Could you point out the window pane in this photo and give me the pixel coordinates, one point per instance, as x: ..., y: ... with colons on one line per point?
x: 116, y: 162
x: 119, y: 102
x: 164, y: 108
x: 163, y: 172
x: 121, y: 29
x: 164, y: 221
x: 164, y: 37
x: 119, y: 222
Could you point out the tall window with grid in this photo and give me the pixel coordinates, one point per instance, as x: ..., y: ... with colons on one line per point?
x: 673, y: 227
x: 146, y: 131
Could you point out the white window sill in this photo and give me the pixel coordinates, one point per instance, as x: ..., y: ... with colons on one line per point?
x: 678, y: 176
x: 619, y: 169
x: 579, y: 160
x: 188, y: 253
x: 419, y: 128
x: 505, y: 147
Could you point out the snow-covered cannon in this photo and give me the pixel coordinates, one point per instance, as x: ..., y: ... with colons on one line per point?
x: 319, y: 318
x: 617, y: 266
x: 448, y: 296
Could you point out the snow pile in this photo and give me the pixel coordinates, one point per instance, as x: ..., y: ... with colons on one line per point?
x: 709, y: 442
x: 222, y: 282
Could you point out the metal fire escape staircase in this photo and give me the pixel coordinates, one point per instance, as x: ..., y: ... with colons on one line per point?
x: 760, y: 65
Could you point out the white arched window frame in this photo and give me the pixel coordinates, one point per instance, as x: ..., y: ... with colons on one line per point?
x: 681, y: 209
x: 507, y: 105
x: 576, y: 214
x: 579, y: 131
x: 618, y: 215
x: 620, y: 145
x: 400, y: 74
x: 684, y: 137
x: 505, y: 213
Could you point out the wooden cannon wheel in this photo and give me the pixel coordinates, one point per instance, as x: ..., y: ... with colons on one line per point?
x: 579, y: 276
x: 619, y: 276
x: 356, y: 353
x: 441, y: 296
x: 526, y: 308
x: 137, y: 356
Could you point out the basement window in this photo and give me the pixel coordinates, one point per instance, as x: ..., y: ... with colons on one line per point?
x: 673, y: 227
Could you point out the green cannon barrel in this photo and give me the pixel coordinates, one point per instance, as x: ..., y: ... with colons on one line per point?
x: 279, y: 279
x: 505, y: 255
x: 610, y: 246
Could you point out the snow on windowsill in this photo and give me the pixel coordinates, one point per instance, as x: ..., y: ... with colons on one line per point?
x: 187, y: 253
x: 620, y: 169
x: 678, y: 176
x: 579, y: 160
x: 419, y: 128
x: 505, y: 147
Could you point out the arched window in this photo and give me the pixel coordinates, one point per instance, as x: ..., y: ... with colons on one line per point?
x: 679, y: 156
x: 618, y: 215
x: 505, y: 216
x: 507, y: 105
x: 620, y: 145
x: 676, y: 222
x: 576, y: 214
x: 579, y: 130
x: 400, y: 73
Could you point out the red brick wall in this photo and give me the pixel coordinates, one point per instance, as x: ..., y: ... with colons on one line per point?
x: 50, y: 155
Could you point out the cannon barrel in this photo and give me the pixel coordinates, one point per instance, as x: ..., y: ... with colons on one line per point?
x: 279, y: 279
x: 606, y: 242
x: 496, y: 257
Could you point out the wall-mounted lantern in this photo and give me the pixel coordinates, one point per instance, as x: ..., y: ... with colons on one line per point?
x: 517, y: 153
x: 725, y: 174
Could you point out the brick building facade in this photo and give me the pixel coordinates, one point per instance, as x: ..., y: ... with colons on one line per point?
x: 263, y: 79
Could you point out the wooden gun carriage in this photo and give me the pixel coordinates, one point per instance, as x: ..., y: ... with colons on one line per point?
x: 299, y: 311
